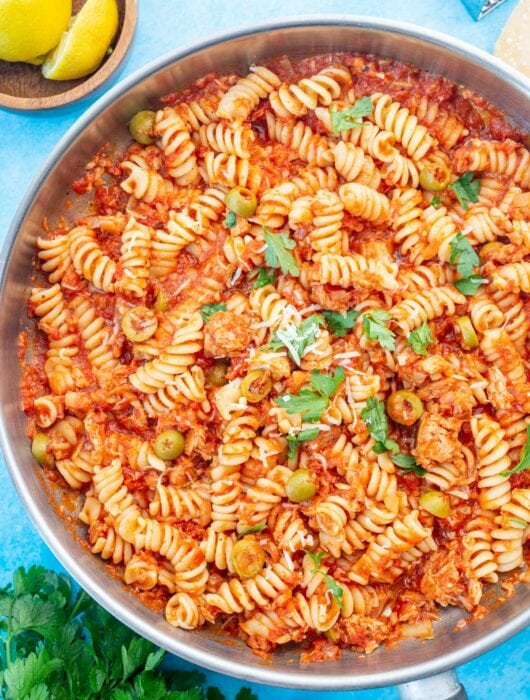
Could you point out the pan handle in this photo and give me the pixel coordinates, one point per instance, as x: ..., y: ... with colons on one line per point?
x: 442, y: 686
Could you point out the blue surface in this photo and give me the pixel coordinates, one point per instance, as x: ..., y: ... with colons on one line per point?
x: 28, y: 137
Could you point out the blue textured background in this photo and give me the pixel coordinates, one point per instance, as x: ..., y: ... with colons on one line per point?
x: 26, y: 138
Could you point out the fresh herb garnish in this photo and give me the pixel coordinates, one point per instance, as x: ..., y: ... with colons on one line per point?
x: 376, y: 421
x: 340, y: 323
x: 312, y: 404
x: 333, y: 586
x: 251, y: 530
x: 524, y: 462
x: 56, y: 643
x: 420, y: 338
x: 277, y: 252
x: 468, y: 286
x: 466, y: 189
x: 436, y: 201
x: 265, y: 277
x: 408, y: 464
x: 230, y: 220
x: 347, y: 119
x: 209, y: 310
x: 297, y: 338
x: 296, y: 440
x: 374, y: 327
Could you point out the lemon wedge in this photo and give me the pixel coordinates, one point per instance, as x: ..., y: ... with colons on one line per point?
x: 30, y: 28
x: 83, y: 47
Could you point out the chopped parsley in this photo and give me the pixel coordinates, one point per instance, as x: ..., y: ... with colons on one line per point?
x: 347, y: 119
x: 311, y: 403
x: 277, y: 252
x: 468, y: 286
x: 375, y: 328
x: 333, y: 586
x: 408, y: 464
x: 209, y: 310
x: 436, y: 201
x: 340, y: 323
x: 466, y: 189
x: 376, y: 421
x: 420, y: 338
x: 296, y: 440
x: 265, y: 276
x: 463, y: 254
x: 297, y: 338
x: 524, y: 462
x: 230, y: 220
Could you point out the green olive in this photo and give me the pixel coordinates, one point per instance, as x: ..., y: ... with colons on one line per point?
x: 488, y: 248
x: 256, y: 385
x: 331, y: 635
x: 469, y: 337
x: 248, y: 558
x: 436, y: 503
x: 169, y: 444
x: 217, y: 375
x: 404, y: 407
x: 300, y: 486
x: 39, y: 449
x: 141, y: 127
x: 241, y: 201
x: 161, y: 302
x: 139, y: 324
x: 435, y: 177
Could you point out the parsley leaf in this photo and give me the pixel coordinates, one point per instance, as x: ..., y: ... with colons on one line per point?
x: 375, y: 419
x: 466, y: 189
x: 524, y: 462
x: 297, y: 338
x: 277, y: 252
x: 296, y: 440
x: 469, y: 285
x: 374, y: 327
x: 209, y: 310
x: 315, y: 558
x: 326, y: 384
x: 420, y: 338
x: 333, y: 586
x: 341, y: 121
x: 408, y: 464
x: 230, y: 220
x: 265, y: 277
x: 340, y: 323
x: 436, y: 201
x: 310, y: 405
x: 463, y: 254
x: 251, y: 530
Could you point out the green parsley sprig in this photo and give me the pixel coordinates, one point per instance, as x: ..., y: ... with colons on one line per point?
x: 340, y: 323
x: 524, y: 462
x: 466, y: 260
x: 277, y: 252
x: 294, y: 441
x: 265, y: 277
x: 348, y: 118
x: 209, y: 310
x: 420, y: 338
x: 297, y: 338
x: 56, y: 643
x: 466, y: 189
x: 311, y: 404
x: 375, y: 328
x: 333, y: 586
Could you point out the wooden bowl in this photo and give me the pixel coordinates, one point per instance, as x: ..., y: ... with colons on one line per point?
x: 22, y: 86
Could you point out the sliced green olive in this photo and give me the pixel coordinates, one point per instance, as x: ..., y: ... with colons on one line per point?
x: 169, y: 444
x: 404, y: 407
x: 435, y: 177
x: 256, y: 385
x: 139, y: 324
x: 39, y: 449
x: 248, y: 558
x: 241, y: 201
x: 217, y: 375
x: 488, y: 248
x: 141, y: 127
x: 300, y: 486
x: 469, y: 337
x: 436, y: 503
x: 161, y: 302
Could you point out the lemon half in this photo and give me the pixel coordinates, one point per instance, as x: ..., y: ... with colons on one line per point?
x: 83, y: 47
x: 30, y: 28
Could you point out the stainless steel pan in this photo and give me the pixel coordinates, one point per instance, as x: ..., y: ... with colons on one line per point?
x: 106, y: 121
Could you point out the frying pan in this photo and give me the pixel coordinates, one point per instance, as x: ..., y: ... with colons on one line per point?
x: 421, y: 668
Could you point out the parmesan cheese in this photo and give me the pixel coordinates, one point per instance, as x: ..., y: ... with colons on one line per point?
x: 513, y: 44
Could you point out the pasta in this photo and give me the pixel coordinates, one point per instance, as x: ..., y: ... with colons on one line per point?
x: 282, y: 360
